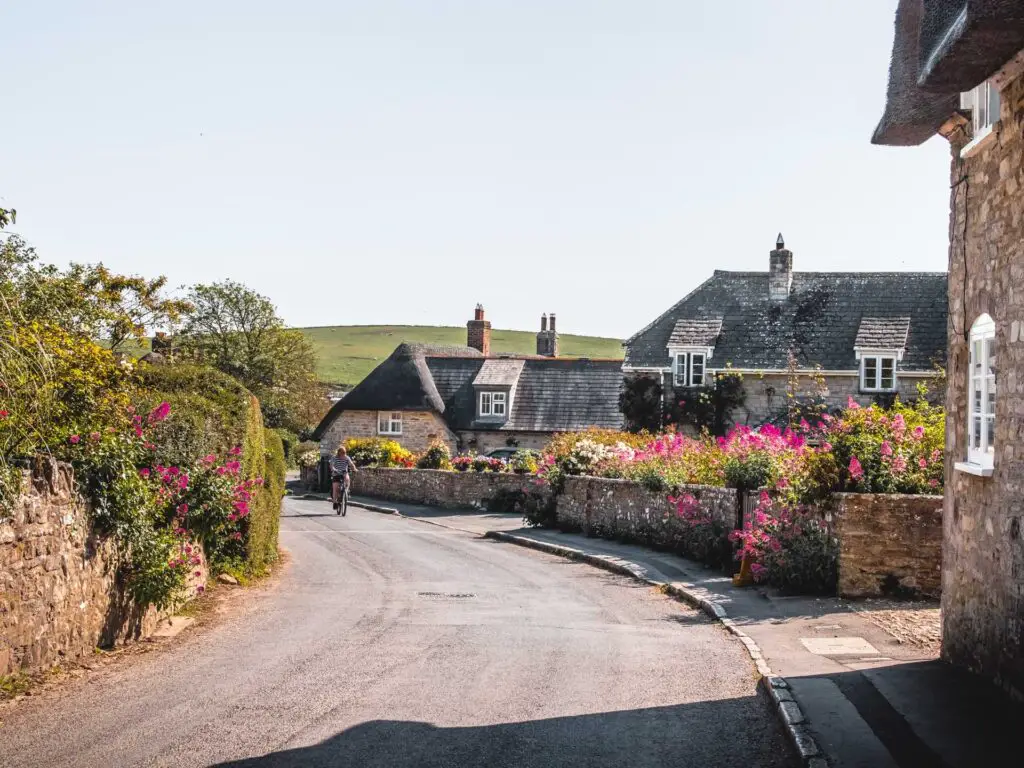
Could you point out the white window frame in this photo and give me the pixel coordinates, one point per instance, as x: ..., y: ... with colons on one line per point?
x: 984, y: 103
x: 683, y: 362
x: 389, y: 422
x: 488, y: 404
x: 876, y: 357
x: 981, y: 387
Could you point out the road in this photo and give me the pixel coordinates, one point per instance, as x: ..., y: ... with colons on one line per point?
x: 392, y: 642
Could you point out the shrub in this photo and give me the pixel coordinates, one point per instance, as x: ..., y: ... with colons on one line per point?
x: 377, y: 452
x: 523, y: 462
x: 437, y: 456
x: 488, y: 464
x: 537, y: 508
x: 462, y: 463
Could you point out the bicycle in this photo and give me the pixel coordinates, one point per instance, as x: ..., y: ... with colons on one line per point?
x: 341, y: 505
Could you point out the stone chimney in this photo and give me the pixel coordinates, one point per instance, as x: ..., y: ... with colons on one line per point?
x: 478, y: 332
x: 547, y: 339
x: 780, y: 271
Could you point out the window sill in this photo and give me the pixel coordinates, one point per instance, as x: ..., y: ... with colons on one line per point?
x: 973, y: 469
x: 979, y: 142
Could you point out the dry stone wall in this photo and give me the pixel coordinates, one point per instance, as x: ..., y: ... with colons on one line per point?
x: 889, y: 545
x: 440, y: 488
x: 59, y: 596
x: 624, y: 510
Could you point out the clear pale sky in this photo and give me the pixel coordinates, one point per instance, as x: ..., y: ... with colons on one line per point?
x: 397, y: 161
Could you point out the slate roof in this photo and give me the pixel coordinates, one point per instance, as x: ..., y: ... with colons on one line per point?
x: 698, y: 332
x: 551, y: 394
x: 820, y: 321
x: 941, y: 48
x: 500, y: 372
x: 882, y: 333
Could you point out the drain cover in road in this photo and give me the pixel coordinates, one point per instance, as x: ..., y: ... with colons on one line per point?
x: 839, y: 646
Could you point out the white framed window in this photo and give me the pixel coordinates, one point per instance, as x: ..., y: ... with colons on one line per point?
x: 878, y: 373
x: 493, y: 403
x: 981, y: 393
x: 983, y: 102
x: 689, y: 370
x: 389, y: 422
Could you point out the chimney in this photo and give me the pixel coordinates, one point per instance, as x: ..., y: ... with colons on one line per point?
x: 780, y: 271
x: 478, y: 332
x: 547, y: 339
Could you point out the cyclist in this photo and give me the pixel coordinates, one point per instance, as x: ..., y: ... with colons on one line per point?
x: 341, y: 465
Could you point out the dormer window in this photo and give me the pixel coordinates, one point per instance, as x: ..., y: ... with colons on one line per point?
x: 493, y: 404
x: 689, y: 370
x: 878, y: 373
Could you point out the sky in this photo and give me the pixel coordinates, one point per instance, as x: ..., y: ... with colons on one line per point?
x: 399, y: 161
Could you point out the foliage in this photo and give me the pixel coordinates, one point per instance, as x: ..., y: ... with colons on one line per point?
x: 790, y: 547
x: 488, y: 464
x: 378, y: 452
x: 238, y: 331
x: 899, y: 450
x: 523, y: 462
x: 702, y: 537
x: 261, y: 531
x: 708, y: 408
x: 307, y: 454
x: 462, y: 463
x: 437, y: 456
x: 290, y: 443
x: 640, y: 403
x: 536, y: 507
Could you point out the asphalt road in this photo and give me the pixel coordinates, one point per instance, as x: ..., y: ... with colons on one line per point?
x: 391, y: 642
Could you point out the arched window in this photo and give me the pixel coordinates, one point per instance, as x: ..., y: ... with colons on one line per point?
x: 981, y: 393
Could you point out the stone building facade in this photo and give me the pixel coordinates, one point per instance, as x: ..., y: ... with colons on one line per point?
x: 965, y: 81
x: 419, y: 430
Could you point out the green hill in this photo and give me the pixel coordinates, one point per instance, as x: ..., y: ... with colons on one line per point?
x: 348, y: 352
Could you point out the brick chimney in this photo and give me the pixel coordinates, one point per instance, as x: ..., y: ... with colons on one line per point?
x: 547, y: 339
x: 780, y: 271
x: 478, y: 332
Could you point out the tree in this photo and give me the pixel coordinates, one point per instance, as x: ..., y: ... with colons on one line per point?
x: 238, y: 331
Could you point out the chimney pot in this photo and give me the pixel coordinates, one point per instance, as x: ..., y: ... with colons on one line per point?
x: 551, y: 318
x: 543, y: 322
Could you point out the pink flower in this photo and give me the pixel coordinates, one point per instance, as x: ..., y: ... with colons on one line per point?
x: 94, y: 436
x: 922, y: 463
x: 200, y: 589
x: 826, y: 447
x: 826, y: 418
x: 74, y: 439
x: 182, y: 509
x: 918, y: 432
x: 237, y: 535
x: 197, y: 574
x: 138, y: 431
x: 886, y: 448
x: 804, y: 425
x: 144, y: 472
x: 852, y: 404
x: 159, y: 413
x: 236, y: 450
x: 4, y: 414
x: 933, y: 483
x: 899, y: 464
x: 856, y: 470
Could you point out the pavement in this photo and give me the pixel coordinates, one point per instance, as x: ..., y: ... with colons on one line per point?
x: 867, y: 699
x: 387, y: 641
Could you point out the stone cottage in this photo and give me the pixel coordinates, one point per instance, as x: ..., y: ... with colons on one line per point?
x: 473, y: 400
x: 835, y: 335
x: 958, y: 70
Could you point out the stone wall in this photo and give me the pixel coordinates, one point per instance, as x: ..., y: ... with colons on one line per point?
x: 624, y: 510
x: 983, y: 556
x: 439, y: 488
x: 59, y: 596
x: 419, y: 429
x: 889, y: 544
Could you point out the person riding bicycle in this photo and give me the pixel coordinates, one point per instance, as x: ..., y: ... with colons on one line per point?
x: 341, y: 466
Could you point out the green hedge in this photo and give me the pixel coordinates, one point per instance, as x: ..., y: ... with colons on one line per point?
x: 263, y: 456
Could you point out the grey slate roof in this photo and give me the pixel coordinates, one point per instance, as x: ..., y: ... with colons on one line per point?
x: 940, y: 48
x: 552, y: 394
x: 696, y: 332
x: 500, y: 372
x: 820, y: 321
x: 883, y: 333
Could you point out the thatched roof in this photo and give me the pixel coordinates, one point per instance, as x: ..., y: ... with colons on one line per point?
x: 940, y: 49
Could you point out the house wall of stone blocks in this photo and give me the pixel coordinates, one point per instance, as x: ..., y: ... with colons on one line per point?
x: 419, y: 430
x: 983, y: 558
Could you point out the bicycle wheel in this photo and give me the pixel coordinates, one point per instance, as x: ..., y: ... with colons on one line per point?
x: 344, y: 502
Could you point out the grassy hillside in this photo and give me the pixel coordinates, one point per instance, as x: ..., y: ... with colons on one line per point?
x: 348, y: 352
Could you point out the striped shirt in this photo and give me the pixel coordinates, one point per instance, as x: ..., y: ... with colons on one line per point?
x: 341, y: 466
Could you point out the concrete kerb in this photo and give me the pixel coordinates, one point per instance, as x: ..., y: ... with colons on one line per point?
x: 786, y: 708
x: 360, y: 504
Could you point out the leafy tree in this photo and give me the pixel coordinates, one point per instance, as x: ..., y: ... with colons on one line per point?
x: 238, y: 331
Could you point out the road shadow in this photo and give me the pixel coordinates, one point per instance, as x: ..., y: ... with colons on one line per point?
x: 726, y: 732
x: 927, y: 714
